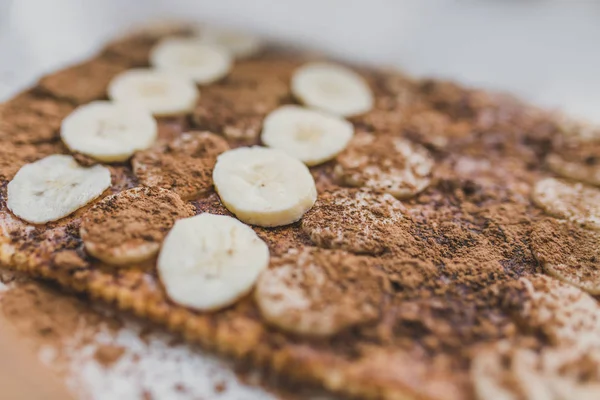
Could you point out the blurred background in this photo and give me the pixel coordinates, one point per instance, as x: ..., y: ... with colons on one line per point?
x: 547, y: 52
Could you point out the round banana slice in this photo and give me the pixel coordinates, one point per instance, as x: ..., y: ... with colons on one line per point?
x: 184, y: 165
x: 160, y: 93
x: 578, y: 130
x: 264, y: 187
x: 567, y: 319
x: 54, y: 187
x: 386, y: 163
x: 568, y: 252
x: 503, y: 371
x: 308, y: 293
x: 108, y: 131
x: 572, y: 201
x: 332, y: 88
x: 355, y: 220
x: 209, y: 261
x: 240, y: 44
x: 577, y: 170
x: 490, y: 377
x: 566, y: 314
x: 187, y: 57
x: 129, y: 227
x: 310, y: 136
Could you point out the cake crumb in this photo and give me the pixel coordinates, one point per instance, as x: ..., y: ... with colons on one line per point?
x: 107, y: 354
x: 220, y: 387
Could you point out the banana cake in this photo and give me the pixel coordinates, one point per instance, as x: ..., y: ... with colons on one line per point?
x: 337, y: 225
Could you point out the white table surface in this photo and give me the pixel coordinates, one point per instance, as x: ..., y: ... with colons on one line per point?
x: 545, y: 51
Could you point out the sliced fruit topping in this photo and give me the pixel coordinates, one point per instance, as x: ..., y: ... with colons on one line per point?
x: 54, y: 187
x: 566, y: 367
x: 568, y: 252
x: 129, y: 226
x: 503, y: 371
x: 109, y: 131
x: 240, y: 44
x: 579, y: 130
x: 209, y: 261
x: 565, y: 314
x: 161, y: 93
x: 387, y: 163
x: 318, y: 292
x: 264, y: 187
x: 582, y: 168
x: 355, y: 220
x: 332, y: 88
x: 184, y: 165
x: 572, y: 201
x: 237, y: 112
x: 310, y: 136
x: 190, y: 58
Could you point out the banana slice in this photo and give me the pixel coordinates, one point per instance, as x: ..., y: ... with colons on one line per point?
x: 310, y: 136
x: 579, y: 130
x: 54, y: 187
x: 567, y: 318
x: 184, y: 165
x: 209, y: 261
x: 308, y: 293
x: 357, y: 220
x: 577, y: 170
x: 129, y: 227
x: 505, y: 372
x: 107, y: 131
x: 489, y: 374
x: 160, y: 93
x: 189, y: 58
x: 568, y: 252
x: 386, y: 163
x: 240, y: 44
x: 264, y: 187
x: 332, y: 88
x: 575, y: 153
x: 572, y: 201
x: 566, y: 314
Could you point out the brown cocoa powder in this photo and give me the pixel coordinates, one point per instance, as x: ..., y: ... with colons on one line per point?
x: 184, y: 165
x: 355, y: 220
x: 568, y: 252
x: 31, y: 118
x: 14, y: 156
x: 139, y: 217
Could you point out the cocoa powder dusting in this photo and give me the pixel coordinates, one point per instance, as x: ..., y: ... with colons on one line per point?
x: 14, y: 156
x: 568, y: 252
x: 384, y: 163
x: 32, y: 118
x: 131, y: 220
x: 316, y: 292
x: 184, y: 165
x: 108, y: 354
x: 355, y: 220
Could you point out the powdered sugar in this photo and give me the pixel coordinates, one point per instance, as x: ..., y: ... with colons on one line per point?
x: 149, y: 367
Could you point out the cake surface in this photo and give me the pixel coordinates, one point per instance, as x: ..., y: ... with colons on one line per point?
x: 457, y: 291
